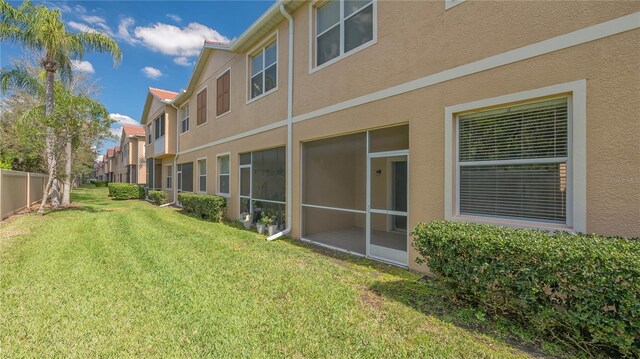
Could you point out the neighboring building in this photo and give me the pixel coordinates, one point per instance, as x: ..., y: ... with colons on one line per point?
x: 513, y: 113
x: 159, y: 121
x: 132, y: 147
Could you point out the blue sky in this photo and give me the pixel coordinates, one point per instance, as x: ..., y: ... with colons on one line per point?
x: 160, y: 41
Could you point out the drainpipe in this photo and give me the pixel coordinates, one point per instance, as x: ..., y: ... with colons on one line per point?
x: 289, y: 129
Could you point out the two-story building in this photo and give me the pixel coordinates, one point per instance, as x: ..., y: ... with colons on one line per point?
x: 132, y: 156
x: 352, y: 121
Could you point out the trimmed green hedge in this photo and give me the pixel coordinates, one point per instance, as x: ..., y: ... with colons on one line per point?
x: 125, y: 191
x: 100, y: 183
x: 580, y: 289
x: 158, y: 197
x: 204, y: 205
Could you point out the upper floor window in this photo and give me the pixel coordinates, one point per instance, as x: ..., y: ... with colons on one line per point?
x: 159, y: 126
x: 223, y: 93
x: 264, y: 70
x: 149, y: 133
x: 184, y: 118
x: 201, y: 103
x: 342, y: 26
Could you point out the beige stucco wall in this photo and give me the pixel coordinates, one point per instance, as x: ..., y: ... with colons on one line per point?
x: 157, y: 109
x: 416, y: 39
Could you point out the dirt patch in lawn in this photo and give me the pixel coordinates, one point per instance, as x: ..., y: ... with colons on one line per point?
x: 371, y: 299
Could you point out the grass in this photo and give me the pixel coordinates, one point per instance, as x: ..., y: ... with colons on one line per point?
x: 125, y: 278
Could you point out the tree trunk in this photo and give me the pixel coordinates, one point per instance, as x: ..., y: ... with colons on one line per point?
x: 55, y: 194
x: 66, y: 189
x: 50, y: 139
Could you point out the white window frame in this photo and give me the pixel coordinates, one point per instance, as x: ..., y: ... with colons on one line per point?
x: 200, y: 175
x: 218, y: 156
x: 576, y: 162
x: 219, y: 76
x: 268, y: 40
x: 169, y: 177
x: 162, y: 122
x: 187, y: 118
x: 448, y: 4
x: 313, y: 34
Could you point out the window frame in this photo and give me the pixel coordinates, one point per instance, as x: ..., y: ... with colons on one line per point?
x: 150, y: 133
x: 270, y: 39
x: 575, y: 92
x: 200, y: 175
x: 220, y: 174
x: 313, y: 33
x: 183, y: 119
x: 159, y: 122
x: 448, y: 4
x: 206, y: 106
x: 227, y: 71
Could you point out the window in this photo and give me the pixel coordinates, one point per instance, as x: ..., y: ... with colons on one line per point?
x: 202, y: 175
x: 169, y: 174
x: 184, y: 115
x: 342, y: 26
x: 125, y: 152
x: 264, y: 70
x: 448, y: 4
x: 149, y: 134
x: 512, y: 162
x: 223, y: 175
x: 159, y: 126
x: 223, y: 93
x: 201, y: 103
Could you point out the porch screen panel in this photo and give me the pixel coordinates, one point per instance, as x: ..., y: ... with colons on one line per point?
x: 334, y: 192
x: 513, y: 162
x: 186, y: 184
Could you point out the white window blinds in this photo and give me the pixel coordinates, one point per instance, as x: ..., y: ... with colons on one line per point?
x: 512, y: 162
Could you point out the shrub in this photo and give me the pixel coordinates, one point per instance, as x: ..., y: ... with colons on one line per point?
x: 100, y: 183
x: 125, y: 191
x: 580, y: 289
x: 204, y: 205
x: 158, y: 197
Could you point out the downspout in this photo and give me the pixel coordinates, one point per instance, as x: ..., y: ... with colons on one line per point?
x: 289, y: 129
x: 175, y: 160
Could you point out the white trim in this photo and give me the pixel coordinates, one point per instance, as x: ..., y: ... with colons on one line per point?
x: 262, y: 45
x: 576, y: 163
x: 218, y: 174
x: 578, y: 37
x: 206, y: 175
x: 448, y: 4
x: 181, y: 108
x: 313, y: 37
x: 169, y: 175
x: 334, y: 208
x: 332, y: 247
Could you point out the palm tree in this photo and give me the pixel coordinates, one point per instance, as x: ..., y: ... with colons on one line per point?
x: 42, y: 30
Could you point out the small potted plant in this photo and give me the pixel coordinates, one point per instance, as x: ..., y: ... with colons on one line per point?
x: 261, y: 225
x: 266, y: 220
x: 269, y: 219
x: 246, y: 219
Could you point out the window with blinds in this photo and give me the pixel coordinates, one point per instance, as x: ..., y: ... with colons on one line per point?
x: 512, y: 162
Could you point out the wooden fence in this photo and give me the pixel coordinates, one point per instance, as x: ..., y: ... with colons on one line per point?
x: 19, y: 190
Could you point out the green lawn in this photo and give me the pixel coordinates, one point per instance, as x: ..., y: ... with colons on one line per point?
x: 125, y: 278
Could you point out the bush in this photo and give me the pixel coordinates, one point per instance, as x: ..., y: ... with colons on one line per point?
x: 158, y: 197
x: 100, y: 183
x: 580, y: 289
x: 204, y: 205
x: 125, y: 191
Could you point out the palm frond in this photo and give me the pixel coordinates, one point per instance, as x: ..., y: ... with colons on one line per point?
x: 97, y: 42
x: 21, y: 78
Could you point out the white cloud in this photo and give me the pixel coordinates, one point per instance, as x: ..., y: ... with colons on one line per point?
x: 151, y: 72
x: 182, y: 61
x: 81, y: 27
x: 174, y: 17
x: 175, y: 41
x: 123, y: 31
x: 122, y: 119
x: 82, y: 66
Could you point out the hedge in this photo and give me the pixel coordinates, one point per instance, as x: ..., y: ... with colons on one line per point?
x: 158, y: 197
x: 204, y: 205
x: 583, y: 290
x: 125, y: 191
x: 100, y: 183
